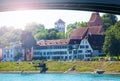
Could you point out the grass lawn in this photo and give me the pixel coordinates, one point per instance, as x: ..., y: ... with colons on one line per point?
x: 81, y: 66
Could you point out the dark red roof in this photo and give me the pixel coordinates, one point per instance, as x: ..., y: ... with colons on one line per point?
x: 80, y: 33
x: 59, y: 21
x: 95, y: 20
x: 96, y: 30
x: 53, y: 42
x: 93, y: 17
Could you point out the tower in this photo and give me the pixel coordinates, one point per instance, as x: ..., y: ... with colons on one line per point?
x: 95, y: 20
x: 60, y: 25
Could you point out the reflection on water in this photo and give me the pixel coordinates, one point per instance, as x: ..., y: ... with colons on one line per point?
x: 58, y: 77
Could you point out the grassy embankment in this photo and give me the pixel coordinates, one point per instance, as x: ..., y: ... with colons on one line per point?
x: 81, y: 66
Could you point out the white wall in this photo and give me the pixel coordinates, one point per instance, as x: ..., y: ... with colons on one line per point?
x: 85, y: 50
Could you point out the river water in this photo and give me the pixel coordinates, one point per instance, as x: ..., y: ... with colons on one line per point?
x: 59, y: 77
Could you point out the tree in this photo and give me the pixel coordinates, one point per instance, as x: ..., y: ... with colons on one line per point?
x: 49, y: 34
x: 108, y: 20
x: 112, y: 40
x: 41, y: 35
x: 52, y: 34
x: 34, y: 27
x: 9, y: 36
x: 61, y: 35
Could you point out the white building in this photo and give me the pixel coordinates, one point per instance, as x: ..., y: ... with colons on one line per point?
x: 84, y: 50
x: 65, y: 50
x: 60, y: 25
x: 69, y: 49
x: 13, y: 53
x: 83, y: 44
x: 51, y: 50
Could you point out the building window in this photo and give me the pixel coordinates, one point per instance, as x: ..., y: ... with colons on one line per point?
x: 80, y: 51
x: 70, y: 52
x: 100, y: 51
x: 4, y: 56
x: 47, y: 53
x: 40, y: 53
x: 88, y: 51
x: 81, y: 46
x: 48, y: 57
x: 65, y: 52
x: 75, y: 57
x: 65, y: 57
x: 75, y: 52
x: 88, y: 55
x: 44, y: 53
x: 11, y: 56
x: 83, y: 42
x: 87, y: 46
x: 70, y: 57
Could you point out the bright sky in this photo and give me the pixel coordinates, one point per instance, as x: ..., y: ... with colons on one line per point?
x: 19, y: 19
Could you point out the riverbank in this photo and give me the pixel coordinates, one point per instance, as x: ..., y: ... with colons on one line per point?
x: 53, y: 72
x: 110, y: 67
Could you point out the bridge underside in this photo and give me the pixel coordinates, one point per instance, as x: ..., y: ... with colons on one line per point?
x: 108, y: 6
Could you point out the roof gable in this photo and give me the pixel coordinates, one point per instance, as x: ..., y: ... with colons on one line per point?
x: 59, y: 21
x: 96, y: 41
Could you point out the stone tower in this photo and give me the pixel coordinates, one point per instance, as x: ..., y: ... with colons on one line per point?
x: 60, y: 25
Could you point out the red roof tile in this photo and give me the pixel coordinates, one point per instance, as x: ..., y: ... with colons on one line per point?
x: 95, y: 20
x: 53, y: 42
x: 96, y: 30
x: 79, y: 33
x: 93, y: 17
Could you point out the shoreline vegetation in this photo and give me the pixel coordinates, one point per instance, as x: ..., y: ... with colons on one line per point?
x: 110, y: 67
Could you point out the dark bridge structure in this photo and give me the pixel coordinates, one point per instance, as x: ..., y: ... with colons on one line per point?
x: 108, y: 6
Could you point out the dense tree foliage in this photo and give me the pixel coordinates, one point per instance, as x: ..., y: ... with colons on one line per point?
x: 39, y: 32
x: 108, y: 20
x: 9, y: 36
x: 52, y: 34
x: 73, y: 26
x: 34, y: 27
x: 49, y: 34
x: 41, y: 35
x: 112, y: 40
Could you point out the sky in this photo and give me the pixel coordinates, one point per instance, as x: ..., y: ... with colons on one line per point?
x: 19, y: 19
